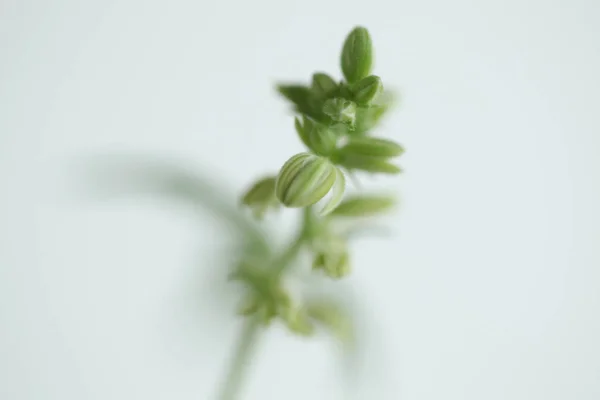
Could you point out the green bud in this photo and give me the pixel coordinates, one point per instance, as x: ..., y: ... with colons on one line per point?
x: 367, y: 118
x: 334, y: 264
x: 340, y: 110
x: 357, y: 55
x: 364, y: 206
x: 261, y: 196
x: 323, y: 84
x: 322, y: 139
x: 297, y: 321
x: 371, y: 146
x: 366, y: 90
x: 317, y: 137
x: 306, y: 178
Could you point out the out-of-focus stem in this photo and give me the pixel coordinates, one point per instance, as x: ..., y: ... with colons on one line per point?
x: 241, y: 359
x: 249, y: 335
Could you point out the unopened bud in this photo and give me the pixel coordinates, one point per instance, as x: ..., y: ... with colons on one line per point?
x: 306, y: 178
x: 357, y: 55
x: 366, y: 90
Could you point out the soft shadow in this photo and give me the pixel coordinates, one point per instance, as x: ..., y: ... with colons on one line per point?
x: 205, y: 298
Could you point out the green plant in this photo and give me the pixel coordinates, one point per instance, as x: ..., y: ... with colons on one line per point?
x: 335, y: 123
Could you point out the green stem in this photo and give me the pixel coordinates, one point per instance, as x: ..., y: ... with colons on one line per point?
x: 241, y: 359
x: 249, y: 335
x: 292, y: 251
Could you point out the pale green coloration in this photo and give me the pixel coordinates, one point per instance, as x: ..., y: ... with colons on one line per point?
x: 364, y: 206
x: 341, y: 110
x: 332, y: 256
x: 369, y: 154
x: 261, y: 196
x: 371, y: 146
x: 332, y: 316
x: 305, y: 179
x: 357, y: 55
x: 368, y: 164
x: 334, y: 121
x: 365, y: 91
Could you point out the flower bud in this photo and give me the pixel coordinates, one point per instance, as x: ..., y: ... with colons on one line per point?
x: 357, y: 55
x: 334, y: 264
x: 340, y: 110
x: 366, y: 90
x: 323, y: 84
x: 364, y: 206
x: 261, y: 196
x: 305, y: 179
x: 297, y: 320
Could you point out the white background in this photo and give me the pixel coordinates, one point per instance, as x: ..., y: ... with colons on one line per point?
x: 489, y: 288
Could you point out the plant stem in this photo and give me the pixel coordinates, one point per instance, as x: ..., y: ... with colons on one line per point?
x: 241, y: 359
x: 292, y: 251
x: 250, y: 332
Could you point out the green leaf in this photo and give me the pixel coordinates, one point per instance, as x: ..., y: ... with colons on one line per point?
x: 368, y: 164
x: 304, y: 100
x: 323, y: 85
x: 371, y: 146
x: 364, y: 206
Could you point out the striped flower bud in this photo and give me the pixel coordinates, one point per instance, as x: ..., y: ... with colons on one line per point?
x: 357, y: 55
x: 305, y: 179
x: 366, y: 90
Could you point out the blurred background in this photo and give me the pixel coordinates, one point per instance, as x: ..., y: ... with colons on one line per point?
x: 488, y: 288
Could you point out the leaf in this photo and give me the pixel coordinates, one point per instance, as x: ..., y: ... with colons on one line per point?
x: 364, y: 206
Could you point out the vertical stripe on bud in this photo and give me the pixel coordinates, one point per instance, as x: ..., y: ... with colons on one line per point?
x: 366, y: 90
x: 357, y: 55
x: 304, y: 180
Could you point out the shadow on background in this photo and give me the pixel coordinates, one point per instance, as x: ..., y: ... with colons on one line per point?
x: 210, y: 298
